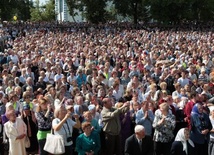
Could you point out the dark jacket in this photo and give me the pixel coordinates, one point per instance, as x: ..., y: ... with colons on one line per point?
x: 198, y: 125
x: 177, y: 149
x: 132, y: 146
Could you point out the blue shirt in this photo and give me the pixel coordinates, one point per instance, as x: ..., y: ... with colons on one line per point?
x: 146, y: 122
x: 81, y: 79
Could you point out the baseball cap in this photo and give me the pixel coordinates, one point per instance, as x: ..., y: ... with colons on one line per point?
x: 26, y: 107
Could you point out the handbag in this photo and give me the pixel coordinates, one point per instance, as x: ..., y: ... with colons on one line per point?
x: 27, y: 142
x: 54, y: 144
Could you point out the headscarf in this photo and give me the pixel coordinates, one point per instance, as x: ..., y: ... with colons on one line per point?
x: 195, y: 109
x: 91, y: 107
x: 181, y: 138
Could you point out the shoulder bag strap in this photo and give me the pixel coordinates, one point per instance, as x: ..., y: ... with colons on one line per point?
x: 67, y: 127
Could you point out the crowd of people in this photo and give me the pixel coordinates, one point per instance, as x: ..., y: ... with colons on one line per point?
x: 107, y: 90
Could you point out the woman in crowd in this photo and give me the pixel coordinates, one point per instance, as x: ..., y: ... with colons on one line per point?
x: 182, y: 145
x: 60, y: 98
x: 13, y: 98
x: 94, y: 123
x: 88, y: 143
x: 164, y: 124
x: 44, y: 116
x: 145, y: 117
x: 76, y: 132
x: 15, y: 130
x: 94, y: 110
x: 63, y: 125
x: 27, y: 100
x: 28, y: 117
x: 126, y: 125
x: 200, y: 128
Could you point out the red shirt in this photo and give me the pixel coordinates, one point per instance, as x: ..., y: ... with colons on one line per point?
x: 187, y: 112
x: 188, y: 108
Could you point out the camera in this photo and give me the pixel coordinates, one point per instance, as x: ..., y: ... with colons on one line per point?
x: 69, y: 139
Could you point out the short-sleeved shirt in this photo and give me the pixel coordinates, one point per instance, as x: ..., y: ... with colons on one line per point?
x: 64, y: 131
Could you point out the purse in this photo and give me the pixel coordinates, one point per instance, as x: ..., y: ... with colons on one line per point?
x: 27, y: 142
x: 54, y: 144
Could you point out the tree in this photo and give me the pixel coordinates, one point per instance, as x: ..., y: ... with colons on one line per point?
x: 131, y: 8
x: 36, y: 12
x: 72, y: 6
x: 23, y: 9
x: 202, y: 10
x: 43, y: 13
x: 174, y: 11
x: 5, y: 6
x: 20, y: 8
x: 95, y: 10
x: 49, y: 13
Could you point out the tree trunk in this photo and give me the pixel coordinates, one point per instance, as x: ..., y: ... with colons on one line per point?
x: 135, y: 15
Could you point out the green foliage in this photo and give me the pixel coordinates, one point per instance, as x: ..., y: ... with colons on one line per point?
x: 9, y: 8
x: 175, y: 11
x: 72, y: 6
x: 93, y: 10
x: 136, y: 9
x: 36, y: 12
x: 163, y: 11
x: 43, y: 13
x: 203, y: 10
x: 49, y: 13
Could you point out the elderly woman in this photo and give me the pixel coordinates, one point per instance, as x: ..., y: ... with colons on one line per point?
x: 44, y: 116
x: 182, y: 145
x: 89, y: 118
x: 200, y: 128
x: 63, y: 125
x: 164, y: 124
x: 88, y: 143
x: 28, y: 117
x: 15, y: 130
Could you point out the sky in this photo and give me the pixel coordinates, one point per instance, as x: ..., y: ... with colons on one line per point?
x: 41, y: 1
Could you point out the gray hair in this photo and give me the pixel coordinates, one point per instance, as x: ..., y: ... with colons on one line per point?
x: 139, y: 128
x: 57, y: 110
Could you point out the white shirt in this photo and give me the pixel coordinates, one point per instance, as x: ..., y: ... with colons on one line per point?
x: 66, y: 130
x: 117, y: 94
x: 70, y: 79
x: 183, y: 82
x: 50, y: 76
x: 57, y: 77
x: 212, y: 122
x: 14, y: 59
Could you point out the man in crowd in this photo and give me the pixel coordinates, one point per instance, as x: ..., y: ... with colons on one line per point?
x: 139, y: 143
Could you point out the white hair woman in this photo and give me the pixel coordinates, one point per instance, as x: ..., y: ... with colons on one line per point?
x: 164, y: 125
x: 15, y: 130
x: 63, y: 125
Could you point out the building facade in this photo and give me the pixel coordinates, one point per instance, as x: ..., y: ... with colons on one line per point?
x: 62, y: 12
